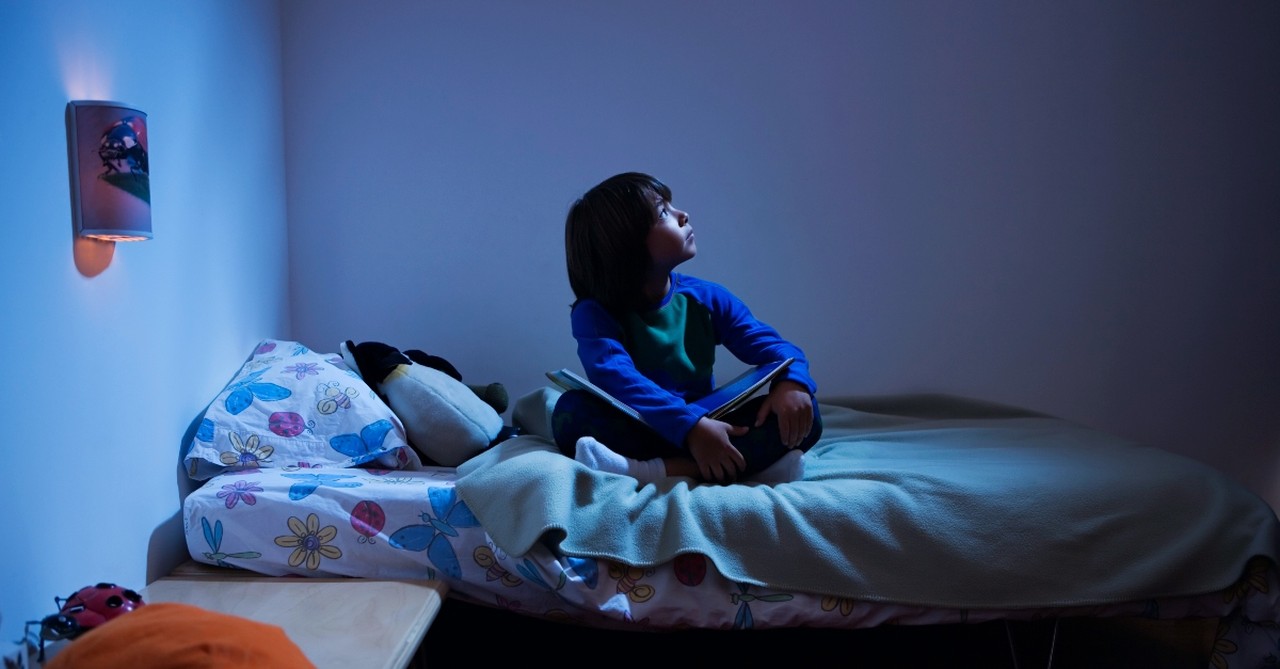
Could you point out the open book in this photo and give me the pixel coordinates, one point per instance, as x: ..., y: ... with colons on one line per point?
x: 717, y: 403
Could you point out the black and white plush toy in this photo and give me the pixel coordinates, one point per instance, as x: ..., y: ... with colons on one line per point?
x: 493, y: 394
x: 446, y: 420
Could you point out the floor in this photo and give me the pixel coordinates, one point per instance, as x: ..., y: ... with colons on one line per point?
x: 1080, y: 643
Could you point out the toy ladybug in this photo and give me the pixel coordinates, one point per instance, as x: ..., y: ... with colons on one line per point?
x: 86, y: 609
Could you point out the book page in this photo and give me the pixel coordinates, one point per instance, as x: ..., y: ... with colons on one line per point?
x: 717, y: 403
x: 741, y: 388
x: 570, y: 381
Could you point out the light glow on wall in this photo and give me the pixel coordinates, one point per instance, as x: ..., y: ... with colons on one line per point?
x: 86, y: 74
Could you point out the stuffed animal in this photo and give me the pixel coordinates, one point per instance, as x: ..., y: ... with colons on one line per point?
x: 494, y: 394
x: 87, y: 608
x: 446, y: 420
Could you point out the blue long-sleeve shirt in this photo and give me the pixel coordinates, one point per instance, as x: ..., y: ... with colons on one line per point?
x: 657, y: 361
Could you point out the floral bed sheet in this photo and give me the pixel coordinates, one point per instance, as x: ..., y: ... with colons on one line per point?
x: 396, y: 524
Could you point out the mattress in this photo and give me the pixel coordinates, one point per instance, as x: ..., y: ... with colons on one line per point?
x: 370, y: 523
x: 949, y: 515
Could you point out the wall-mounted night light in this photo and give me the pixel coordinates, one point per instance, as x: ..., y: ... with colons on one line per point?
x: 110, y: 173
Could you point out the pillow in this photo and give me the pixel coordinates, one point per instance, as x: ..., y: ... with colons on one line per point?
x: 289, y: 406
x: 169, y: 635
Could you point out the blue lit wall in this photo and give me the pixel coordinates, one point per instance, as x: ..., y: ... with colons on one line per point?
x: 109, y: 355
x: 1073, y: 207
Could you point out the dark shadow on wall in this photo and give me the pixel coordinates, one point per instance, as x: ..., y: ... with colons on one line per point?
x: 168, y: 545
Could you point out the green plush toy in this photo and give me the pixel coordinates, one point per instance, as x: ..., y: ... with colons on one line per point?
x: 446, y: 420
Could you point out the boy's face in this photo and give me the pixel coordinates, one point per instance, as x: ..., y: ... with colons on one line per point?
x: 670, y: 239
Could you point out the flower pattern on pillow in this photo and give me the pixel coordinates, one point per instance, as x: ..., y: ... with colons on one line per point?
x: 246, y: 453
x: 291, y: 406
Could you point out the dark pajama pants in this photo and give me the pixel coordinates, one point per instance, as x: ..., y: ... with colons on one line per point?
x: 580, y: 414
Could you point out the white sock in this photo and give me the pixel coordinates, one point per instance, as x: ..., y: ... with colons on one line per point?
x: 788, y: 468
x: 596, y: 455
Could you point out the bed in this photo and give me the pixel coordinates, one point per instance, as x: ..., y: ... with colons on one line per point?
x: 914, y: 510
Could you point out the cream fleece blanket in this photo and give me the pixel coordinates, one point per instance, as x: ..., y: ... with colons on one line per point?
x: 930, y: 501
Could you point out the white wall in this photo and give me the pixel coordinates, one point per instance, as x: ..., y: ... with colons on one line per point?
x: 105, y: 373
x: 1071, y: 207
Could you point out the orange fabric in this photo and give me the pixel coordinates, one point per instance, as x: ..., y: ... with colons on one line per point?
x: 168, y: 635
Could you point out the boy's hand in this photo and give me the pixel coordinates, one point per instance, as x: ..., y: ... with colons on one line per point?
x: 791, y: 402
x: 709, y: 444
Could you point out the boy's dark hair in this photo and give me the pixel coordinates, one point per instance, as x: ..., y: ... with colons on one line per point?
x: 605, y: 237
